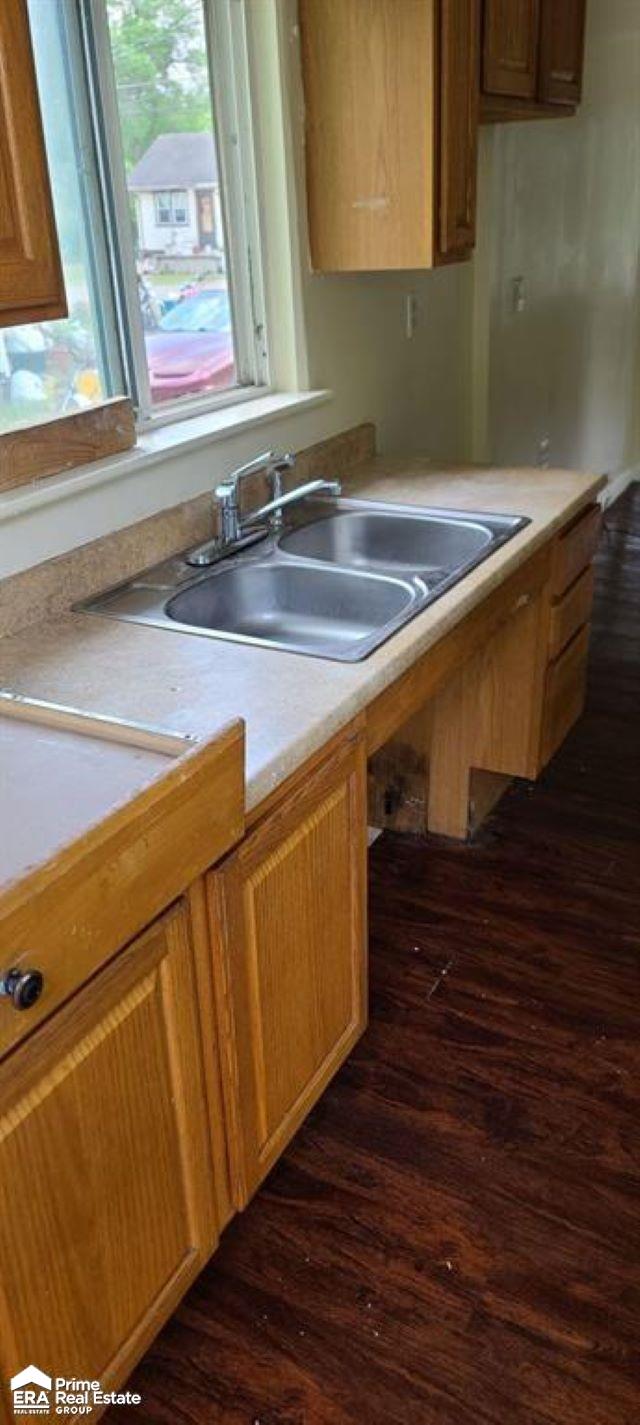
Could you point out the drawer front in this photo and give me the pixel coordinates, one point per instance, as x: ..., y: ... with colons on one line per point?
x: 71, y: 917
x: 564, y: 694
x: 575, y: 549
x: 571, y: 612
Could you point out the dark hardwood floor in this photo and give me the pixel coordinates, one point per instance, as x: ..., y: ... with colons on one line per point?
x: 454, y: 1236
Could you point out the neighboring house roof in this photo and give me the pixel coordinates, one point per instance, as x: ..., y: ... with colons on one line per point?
x: 176, y: 161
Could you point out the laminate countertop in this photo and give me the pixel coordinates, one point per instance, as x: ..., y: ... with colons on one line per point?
x: 291, y: 704
x: 55, y: 783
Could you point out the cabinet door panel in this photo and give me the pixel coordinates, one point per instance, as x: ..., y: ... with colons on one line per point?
x: 290, y: 916
x: 458, y: 146
x: 105, y: 1179
x: 510, y: 48
x: 31, y: 284
x: 368, y: 75
x: 561, y: 51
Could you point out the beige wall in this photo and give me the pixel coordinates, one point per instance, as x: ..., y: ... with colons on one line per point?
x: 416, y: 390
x: 560, y: 207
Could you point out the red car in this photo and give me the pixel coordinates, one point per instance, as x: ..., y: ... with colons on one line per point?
x: 191, y: 350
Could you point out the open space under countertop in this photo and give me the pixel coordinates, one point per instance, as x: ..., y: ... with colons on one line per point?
x: 292, y: 704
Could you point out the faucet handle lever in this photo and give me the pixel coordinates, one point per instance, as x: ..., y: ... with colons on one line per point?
x: 259, y: 462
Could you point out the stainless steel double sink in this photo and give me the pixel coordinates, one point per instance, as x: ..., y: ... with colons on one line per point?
x: 335, y: 582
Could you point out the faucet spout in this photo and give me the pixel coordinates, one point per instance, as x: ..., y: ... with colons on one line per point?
x: 301, y: 492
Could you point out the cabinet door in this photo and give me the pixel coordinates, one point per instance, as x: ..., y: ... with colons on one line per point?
x: 290, y: 921
x: 458, y: 142
x: 510, y: 47
x: 31, y: 284
x: 370, y: 110
x: 561, y: 51
x: 106, y: 1201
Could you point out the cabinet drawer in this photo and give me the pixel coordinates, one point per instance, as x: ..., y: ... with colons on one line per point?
x: 575, y: 549
x: 73, y: 914
x: 571, y: 612
x: 564, y: 694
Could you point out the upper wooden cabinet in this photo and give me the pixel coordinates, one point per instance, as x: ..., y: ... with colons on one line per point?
x: 289, y: 914
x: 510, y: 48
x: 562, y: 51
x: 458, y: 127
x: 391, y: 96
x: 532, y: 53
x: 31, y: 282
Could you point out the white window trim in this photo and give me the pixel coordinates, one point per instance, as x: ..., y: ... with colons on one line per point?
x: 256, y: 38
x: 233, y: 117
x: 232, y: 108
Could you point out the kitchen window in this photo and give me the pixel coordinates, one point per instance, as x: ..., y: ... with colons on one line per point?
x: 157, y: 217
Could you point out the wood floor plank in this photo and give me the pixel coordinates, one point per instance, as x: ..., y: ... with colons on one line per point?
x: 454, y: 1236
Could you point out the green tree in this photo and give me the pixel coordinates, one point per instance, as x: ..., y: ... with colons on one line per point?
x: 160, y: 62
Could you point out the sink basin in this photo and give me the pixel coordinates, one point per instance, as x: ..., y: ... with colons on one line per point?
x: 378, y: 540
x: 334, y: 613
x: 335, y: 584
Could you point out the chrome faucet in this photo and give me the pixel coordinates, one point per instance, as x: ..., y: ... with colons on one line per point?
x: 237, y: 531
x: 226, y: 492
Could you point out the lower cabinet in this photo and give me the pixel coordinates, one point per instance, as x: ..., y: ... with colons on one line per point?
x: 565, y: 692
x: 106, y: 1185
x: 289, y: 918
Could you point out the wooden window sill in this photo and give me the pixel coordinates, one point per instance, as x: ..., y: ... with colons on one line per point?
x: 53, y: 447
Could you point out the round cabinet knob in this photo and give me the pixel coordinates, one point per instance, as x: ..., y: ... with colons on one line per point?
x: 22, y: 987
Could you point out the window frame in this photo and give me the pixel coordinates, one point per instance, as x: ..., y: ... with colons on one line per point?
x: 171, y: 207
x: 234, y: 133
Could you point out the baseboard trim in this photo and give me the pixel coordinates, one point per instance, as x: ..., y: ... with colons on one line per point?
x: 617, y: 484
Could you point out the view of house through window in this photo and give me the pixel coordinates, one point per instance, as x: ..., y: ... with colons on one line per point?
x: 170, y: 249
x: 166, y: 117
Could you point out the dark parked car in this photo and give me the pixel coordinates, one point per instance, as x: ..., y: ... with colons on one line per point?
x: 191, y: 349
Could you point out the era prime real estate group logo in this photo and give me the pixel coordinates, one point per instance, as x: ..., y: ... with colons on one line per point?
x: 36, y: 1393
x: 31, y: 1391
